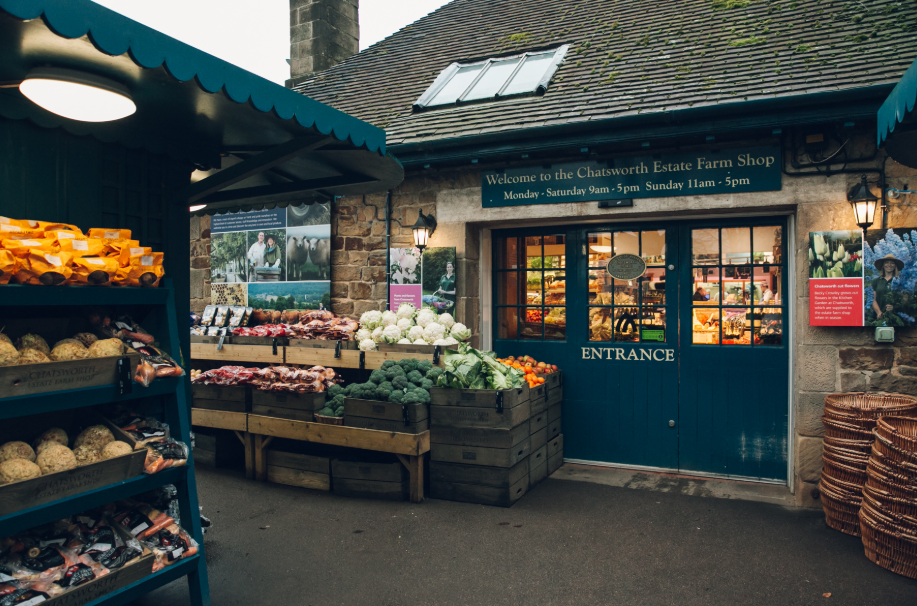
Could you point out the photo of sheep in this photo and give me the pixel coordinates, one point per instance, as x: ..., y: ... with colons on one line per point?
x: 308, y: 253
x: 309, y: 214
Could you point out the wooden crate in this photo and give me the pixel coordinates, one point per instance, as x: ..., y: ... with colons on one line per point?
x: 553, y: 380
x: 554, y: 413
x: 538, y: 421
x: 476, y: 455
x: 536, y: 392
x: 478, y: 398
x: 498, y: 477
x: 486, y: 437
x: 305, y: 471
x: 555, y: 463
x: 321, y: 344
x: 554, y: 395
x: 230, y: 398
x: 282, y: 405
x: 51, y: 487
x: 261, y: 341
x: 370, y: 480
x: 539, y: 439
x: 389, y: 411
x: 481, y: 495
x: 538, y: 405
x: 408, y: 350
x: 30, y: 379
x: 467, y: 416
x: 556, y: 446
x: 554, y: 428
x: 538, y: 473
x: 538, y: 457
x: 259, y: 355
x: 385, y: 425
x: 219, y: 449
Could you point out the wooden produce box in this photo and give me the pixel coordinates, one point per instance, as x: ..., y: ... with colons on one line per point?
x: 229, y: 398
x: 499, y: 487
x: 538, y: 421
x: 539, y: 439
x: 30, y: 379
x: 51, y: 487
x: 131, y: 572
x: 555, y: 454
x: 234, y: 354
x: 538, y: 457
x: 554, y: 395
x: 261, y: 341
x: 553, y: 380
x: 283, y: 405
x: 370, y: 480
x: 305, y: 471
x: 386, y: 416
x: 482, y: 437
x: 321, y: 344
x: 479, y: 398
x: 554, y: 413
x: 538, y: 405
x: 409, y: 350
x: 536, y: 392
x: 554, y: 428
x: 479, y: 407
x: 219, y: 449
x: 477, y: 455
x: 205, y: 340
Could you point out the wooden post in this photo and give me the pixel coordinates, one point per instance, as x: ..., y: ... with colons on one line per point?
x: 248, y: 441
x: 414, y: 463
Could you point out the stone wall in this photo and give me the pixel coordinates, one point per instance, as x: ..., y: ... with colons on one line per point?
x: 200, y: 263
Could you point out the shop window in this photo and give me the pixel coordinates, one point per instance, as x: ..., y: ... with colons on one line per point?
x: 737, y: 292
x: 531, y: 303
x: 627, y: 311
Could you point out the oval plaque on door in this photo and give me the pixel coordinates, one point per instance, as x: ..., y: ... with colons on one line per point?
x: 626, y: 267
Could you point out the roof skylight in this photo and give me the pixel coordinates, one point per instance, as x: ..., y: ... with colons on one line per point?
x: 494, y: 78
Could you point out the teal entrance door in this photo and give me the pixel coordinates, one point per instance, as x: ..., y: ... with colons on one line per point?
x: 657, y: 371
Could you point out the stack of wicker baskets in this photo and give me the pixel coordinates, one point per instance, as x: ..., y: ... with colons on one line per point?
x: 849, y: 422
x: 888, y: 517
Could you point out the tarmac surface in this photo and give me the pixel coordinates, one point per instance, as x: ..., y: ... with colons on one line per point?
x: 565, y: 542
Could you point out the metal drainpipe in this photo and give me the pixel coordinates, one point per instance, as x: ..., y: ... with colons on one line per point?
x: 388, y: 247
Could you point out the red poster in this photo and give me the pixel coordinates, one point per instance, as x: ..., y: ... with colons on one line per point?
x: 836, y: 302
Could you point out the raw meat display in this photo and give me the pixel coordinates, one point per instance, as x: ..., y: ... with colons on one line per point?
x: 273, y: 378
x: 265, y: 330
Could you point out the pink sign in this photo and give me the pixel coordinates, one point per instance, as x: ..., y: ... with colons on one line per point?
x: 836, y: 302
x: 405, y: 293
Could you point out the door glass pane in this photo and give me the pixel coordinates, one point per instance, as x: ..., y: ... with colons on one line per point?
x: 555, y: 251
x: 736, y: 245
x: 652, y: 325
x: 599, y: 249
x: 627, y: 292
x: 555, y: 288
x: 600, y: 287
x: 507, y: 323
x: 737, y: 286
x: 533, y: 285
x: 627, y: 242
x: 705, y: 325
x: 626, y: 324
x: 653, y: 243
x: 555, y: 323
x: 768, y: 243
x: 706, y: 288
x: 508, y: 288
x: 531, y: 323
x: 705, y: 246
x: 530, y: 74
x: 768, y: 285
x: 533, y: 252
x: 600, y: 323
x: 736, y: 327
x: 508, y: 254
x: 654, y: 286
x: 771, y: 329
x: 456, y: 85
x: 492, y: 80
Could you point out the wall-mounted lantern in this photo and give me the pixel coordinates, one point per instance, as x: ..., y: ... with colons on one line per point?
x: 864, y: 204
x: 423, y: 230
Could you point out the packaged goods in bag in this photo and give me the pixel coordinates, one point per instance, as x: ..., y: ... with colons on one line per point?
x: 163, y: 454
x: 21, y: 248
x: 209, y: 313
x: 109, y: 233
x: 113, y: 248
x: 45, y: 268
x: 128, y: 252
x: 9, y: 265
x: 170, y: 545
x: 63, y: 234
x: 8, y: 224
x: 83, y: 246
x: 144, y: 431
x: 23, y: 235
x: 144, y: 270
x: 93, y: 271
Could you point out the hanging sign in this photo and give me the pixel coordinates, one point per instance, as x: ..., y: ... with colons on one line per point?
x: 626, y: 267
x: 697, y: 173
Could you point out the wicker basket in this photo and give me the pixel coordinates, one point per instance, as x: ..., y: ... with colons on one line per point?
x: 838, y: 470
x: 886, y: 549
x: 854, y: 458
x: 845, y: 431
x: 869, y: 405
x: 863, y: 446
x: 890, y: 484
x: 902, y: 511
x: 329, y: 420
x: 900, y: 431
x: 905, y: 460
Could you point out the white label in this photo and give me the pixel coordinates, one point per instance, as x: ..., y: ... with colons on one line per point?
x: 4, y: 578
x: 57, y: 541
x: 113, y: 235
x: 146, y: 260
x: 80, y: 244
x: 137, y: 251
x: 101, y: 547
x: 55, y: 261
x: 30, y: 242
x: 122, y: 326
x: 140, y: 528
x: 86, y: 520
x: 94, y: 261
x: 4, y: 220
x: 177, y: 552
x: 36, y: 600
x: 8, y: 227
x: 62, y: 235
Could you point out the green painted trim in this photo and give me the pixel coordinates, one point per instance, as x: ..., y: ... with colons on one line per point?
x: 899, y: 104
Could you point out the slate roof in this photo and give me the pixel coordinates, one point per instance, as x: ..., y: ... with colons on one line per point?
x: 627, y: 57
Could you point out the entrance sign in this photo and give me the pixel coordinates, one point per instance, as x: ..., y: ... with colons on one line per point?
x: 626, y: 267
x: 679, y: 174
x: 628, y: 355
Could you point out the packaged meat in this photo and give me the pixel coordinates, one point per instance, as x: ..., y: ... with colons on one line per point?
x: 163, y: 454
x: 170, y: 545
x: 248, y: 316
x: 209, y: 312
x: 265, y: 330
x: 222, y: 315
x: 145, y: 373
x: 236, y: 316
x: 226, y: 375
x: 146, y: 430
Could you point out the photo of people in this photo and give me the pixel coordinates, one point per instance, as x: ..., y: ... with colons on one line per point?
x: 890, y: 272
x: 309, y: 214
x: 439, y: 279
x: 266, y: 255
x: 836, y: 254
x: 309, y: 253
x: 227, y: 257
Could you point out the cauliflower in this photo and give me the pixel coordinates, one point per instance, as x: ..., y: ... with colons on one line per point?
x: 460, y: 332
x: 425, y: 316
x: 363, y: 334
x: 404, y: 342
x: 450, y: 341
x: 406, y: 311
x: 433, y: 331
x: 441, y: 342
x: 389, y: 318
x: 446, y: 320
x: 420, y: 342
x: 405, y: 324
x: 371, y: 319
x: 415, y: 332
x: 377, y: 334
x: 367, y: 345
x: 391, y: 334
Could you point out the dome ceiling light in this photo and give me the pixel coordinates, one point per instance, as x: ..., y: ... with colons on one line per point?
x: 77, y: 95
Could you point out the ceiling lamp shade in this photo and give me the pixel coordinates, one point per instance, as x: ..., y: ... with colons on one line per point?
x: 77, y: 95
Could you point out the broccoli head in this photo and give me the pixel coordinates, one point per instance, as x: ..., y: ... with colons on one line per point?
x: 325, y: 412
x: 386, y: 385
x: 335, y: 390
x: 339, y: 412
x: 392, y: 372
x: 408, y: 364
x: 415, y: 377
x: 397, y: 397
x: 424, y: 366
x: 434, y: 373
x: 389, y: 364
x: 364, y: 391
x: 377, y: 376
x: 418, y: 396
x: 383, y: 394
x: 426, y: 384
x: 336, y: 402
x: 399, y: 383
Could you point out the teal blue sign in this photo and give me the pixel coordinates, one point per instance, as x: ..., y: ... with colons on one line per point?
x: 620, y: 180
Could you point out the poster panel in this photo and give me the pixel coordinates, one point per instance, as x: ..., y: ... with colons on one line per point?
x: 423, y: 280
x: 890, y: 272
x: 836, y: 278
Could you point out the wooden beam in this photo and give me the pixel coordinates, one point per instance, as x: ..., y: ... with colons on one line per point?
x: 339, y: 435
x: 254, y: 165
x: 219, y: 419
x: 281, y: 192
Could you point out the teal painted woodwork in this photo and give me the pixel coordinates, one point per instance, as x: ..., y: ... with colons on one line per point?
x: 899, y: 104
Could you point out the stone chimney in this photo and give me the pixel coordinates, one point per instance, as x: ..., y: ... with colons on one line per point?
x: 322, y: 34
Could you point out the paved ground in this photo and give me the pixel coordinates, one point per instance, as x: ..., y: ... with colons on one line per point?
x: 566, y: 542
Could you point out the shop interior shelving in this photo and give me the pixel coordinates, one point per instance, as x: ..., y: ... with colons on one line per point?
x: 171, y: 394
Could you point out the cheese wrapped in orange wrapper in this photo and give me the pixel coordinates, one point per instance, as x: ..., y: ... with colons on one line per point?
x: 124, y: 259
x: 84, y: 247
x: 93, y: 271
x: 63, y: 234
x: 9, y: 265
x: 113, y: 248
x: 110, y: 233
x: 23, y: 235
x: 21, y: 248
x: 144, y: 270
x: 46, y: 268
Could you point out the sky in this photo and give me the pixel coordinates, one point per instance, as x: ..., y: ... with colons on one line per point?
x: 255, y: 34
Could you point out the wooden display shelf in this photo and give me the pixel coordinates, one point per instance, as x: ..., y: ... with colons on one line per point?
x: 410, y: 448
x: 255, y: 354
x: 237, y: 422
x: 305, y: 356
